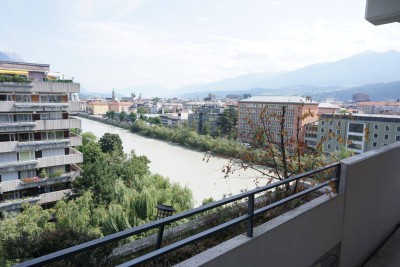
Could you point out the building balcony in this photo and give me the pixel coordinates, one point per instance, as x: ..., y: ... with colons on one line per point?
x: 40, y: 182
x: 16, y: 204
x: 44, y: 125
x: 8, y: 146
x: 76, y: 140
x: 17, y: 127
x: 55, y: 87
x: 15, y: 87
x: 7, y: 106
x: 12, y: 106
x: 53, y: 196
x: 33, y: 107
x: 39, y: 145
x: 74, y: 157
x: 18, y: 166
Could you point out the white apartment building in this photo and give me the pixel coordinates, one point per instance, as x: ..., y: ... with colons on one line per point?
x: 37, y: 158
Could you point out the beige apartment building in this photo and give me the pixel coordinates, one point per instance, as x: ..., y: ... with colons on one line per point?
x: 37, y: 158
x: 250, y: 109
x: 97, y: 108
x: 118, y: 107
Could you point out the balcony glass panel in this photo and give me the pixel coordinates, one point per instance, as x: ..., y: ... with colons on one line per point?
x: 23, y: 98
x: 24, y: 117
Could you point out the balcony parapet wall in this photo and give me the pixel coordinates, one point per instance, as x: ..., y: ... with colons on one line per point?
x: 55, y: 87
x: 18, y: 184
x: 18, y: 166
x: 53, y: 196
x: 39, y: 87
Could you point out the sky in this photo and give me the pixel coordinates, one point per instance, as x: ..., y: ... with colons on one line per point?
x: 106, y: 44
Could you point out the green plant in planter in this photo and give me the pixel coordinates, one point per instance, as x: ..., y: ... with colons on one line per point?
x: 43, y: 173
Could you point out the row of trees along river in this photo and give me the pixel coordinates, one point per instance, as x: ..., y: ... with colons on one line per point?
x: 185, y: 166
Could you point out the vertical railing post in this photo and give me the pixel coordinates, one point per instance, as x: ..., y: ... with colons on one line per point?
x: 337, y: 175
x: 250, y: 212
x: 160, y: 236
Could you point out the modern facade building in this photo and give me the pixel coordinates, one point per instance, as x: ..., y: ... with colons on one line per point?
x: 357, y: 132
x: 204, y: 118
x: 251, y: 109
x: 379, y: 107
x: 37, y: 158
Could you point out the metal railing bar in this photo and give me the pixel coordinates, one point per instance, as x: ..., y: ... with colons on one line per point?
x: 184, y: 242
x: 292, y: 197
x: 155, y: 224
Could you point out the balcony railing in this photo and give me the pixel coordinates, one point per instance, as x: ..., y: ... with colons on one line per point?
x: 53, y: 196
x: 7, y: 106
x: 17, y: 127
x: 18, y: 166
x: 160, y: 224
x: 43, y: 125
x: 10, y: 87
x: 73, y: 158
x: 41, y: 107
x: 76, y: 140
x: 55, y: 87
x: 16, y: 203
x: 8, y: 146
x: 20, y: 184
x: 39, y: 145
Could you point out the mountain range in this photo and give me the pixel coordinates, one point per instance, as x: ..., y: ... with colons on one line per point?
x: 10, y: 56
x: 366, y: 68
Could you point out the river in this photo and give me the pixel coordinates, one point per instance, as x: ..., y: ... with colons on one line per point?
x: 180, y: 164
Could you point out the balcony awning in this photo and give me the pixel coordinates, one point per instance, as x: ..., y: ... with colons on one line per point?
x: 14, y: 72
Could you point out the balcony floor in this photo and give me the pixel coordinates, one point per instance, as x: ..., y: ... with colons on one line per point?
x: 388, y: 254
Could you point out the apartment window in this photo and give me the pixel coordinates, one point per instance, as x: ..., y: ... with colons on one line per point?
x: 51, y: 116
x: 337, y: 131
x: 26, y: 155
x: 397, y: 138
x: 339, y: 123
x: 23, y: 98
x: 356, y: 127
x: 6, y: 137
x: 375, y: 136
x: 26, y: 174
x: 386, y: 137
x: 24, y: 137
x: 5, y: 98
x: 376, y: 127
x: 322, y: 130
x: 387, y: 128
x: 354, y: 146
x: 398, y: 129
x: 6, y: 118
x: 329, y: 146
x: 24, y: 117
x: 50, y: 99
x: 322, y: 122
x: 355, y: 138
x: 374, y: 144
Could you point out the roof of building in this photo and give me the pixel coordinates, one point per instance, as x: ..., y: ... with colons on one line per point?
x: 121, y: 103
x: 97, y: 103
x: 370, y: 103
x: 328, y: 105
x: 278, y: 99
x: 365, y: 117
